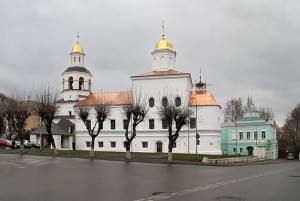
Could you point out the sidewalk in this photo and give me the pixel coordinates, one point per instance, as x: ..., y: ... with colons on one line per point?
x: 161, y: 159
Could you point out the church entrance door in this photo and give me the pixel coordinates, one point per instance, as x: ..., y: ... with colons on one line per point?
x: 159, y: 147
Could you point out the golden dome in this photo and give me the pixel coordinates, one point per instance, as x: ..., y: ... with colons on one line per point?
x: 164, y: 44
x: 77, y: 48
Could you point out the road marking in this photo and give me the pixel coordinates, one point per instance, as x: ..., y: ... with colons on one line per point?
x: 201, y: 188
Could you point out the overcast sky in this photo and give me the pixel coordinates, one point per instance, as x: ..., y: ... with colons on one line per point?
x: 243, y: 47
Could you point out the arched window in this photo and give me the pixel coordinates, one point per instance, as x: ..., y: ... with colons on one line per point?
x: 81, y: 81
x: 178, y: 102
x: 71, y: 83
x: 151, y: 102
x: 164, y: 102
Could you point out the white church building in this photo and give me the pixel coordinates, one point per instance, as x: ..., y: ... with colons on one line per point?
x: 162, y: 83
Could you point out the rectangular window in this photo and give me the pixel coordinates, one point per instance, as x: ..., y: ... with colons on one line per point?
x: 192, y: 123
x: 234, y: 150
x: 174, y: 145
x: 113, y: 124
x: 100, y: 144
x: 241, y: 150
x: 263, y: 135
x: 88, y: 124
x: 151, y: 123
x: 233, y: 135
x: 248, y: 135
x: 113, y: 144
x: 88, y: 144
x: 125, y: 123
x: 145, y: 144
x: 241, y: 135
x: 164, y: 124
x: 70, y: 113
x: 255, y: 135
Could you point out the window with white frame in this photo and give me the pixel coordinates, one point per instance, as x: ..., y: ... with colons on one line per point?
x: 100, y: 144
x: 151, y: 102
x: 88, y: 124
x: 241, y: 135
x: 151, y: 123
x: 192, y: 123
x: 178, y: 102
x: 125, y: 121
x: 113, y: 124
x: 248, y: 135
x: 164, y: 102
x: 113, y: 144
x: 174, y: 145
x: 255, y: 135
x: 164, y: 124
x: 233, y: 135
x: 263, y: 134
x: 145, y: 144
x: 88, y: 144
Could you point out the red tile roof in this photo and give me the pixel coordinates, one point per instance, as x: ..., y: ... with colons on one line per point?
x: 110, y: 98
x: 202, y: 99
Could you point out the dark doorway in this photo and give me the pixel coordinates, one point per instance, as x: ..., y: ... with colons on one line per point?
x: 159, y: 147
x: 250, y: 151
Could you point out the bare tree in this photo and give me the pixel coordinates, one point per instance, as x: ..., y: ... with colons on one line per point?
x: 100, y: 111
x: 170, y: 113
x: 2, y: 115
x: 266, y: 113
x: 2, y: 125
x: 46, y: 107
x: 17, y: 110
x: 233, y: 110
x: 135, y: 113
x: 292, y: 128
x: 284, y: 142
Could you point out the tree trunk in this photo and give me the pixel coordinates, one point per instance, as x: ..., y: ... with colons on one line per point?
x: 55, y: 151
x: 170, y: 156
x: 22, y: 148
x: 128, y: 154
x: 92, y: 151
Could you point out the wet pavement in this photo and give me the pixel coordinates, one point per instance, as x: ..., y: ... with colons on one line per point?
x: 46, y: 178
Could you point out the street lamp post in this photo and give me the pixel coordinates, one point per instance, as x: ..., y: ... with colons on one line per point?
x: 197, y: 135
x: 41, y: 134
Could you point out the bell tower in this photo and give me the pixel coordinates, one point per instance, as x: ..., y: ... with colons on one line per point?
x: 76, y: 79
x: 164, y: 56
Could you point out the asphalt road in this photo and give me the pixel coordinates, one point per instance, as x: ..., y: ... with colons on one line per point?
x: 40, y: 178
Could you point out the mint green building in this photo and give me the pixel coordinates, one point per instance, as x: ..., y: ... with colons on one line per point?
x: 250, y: 136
